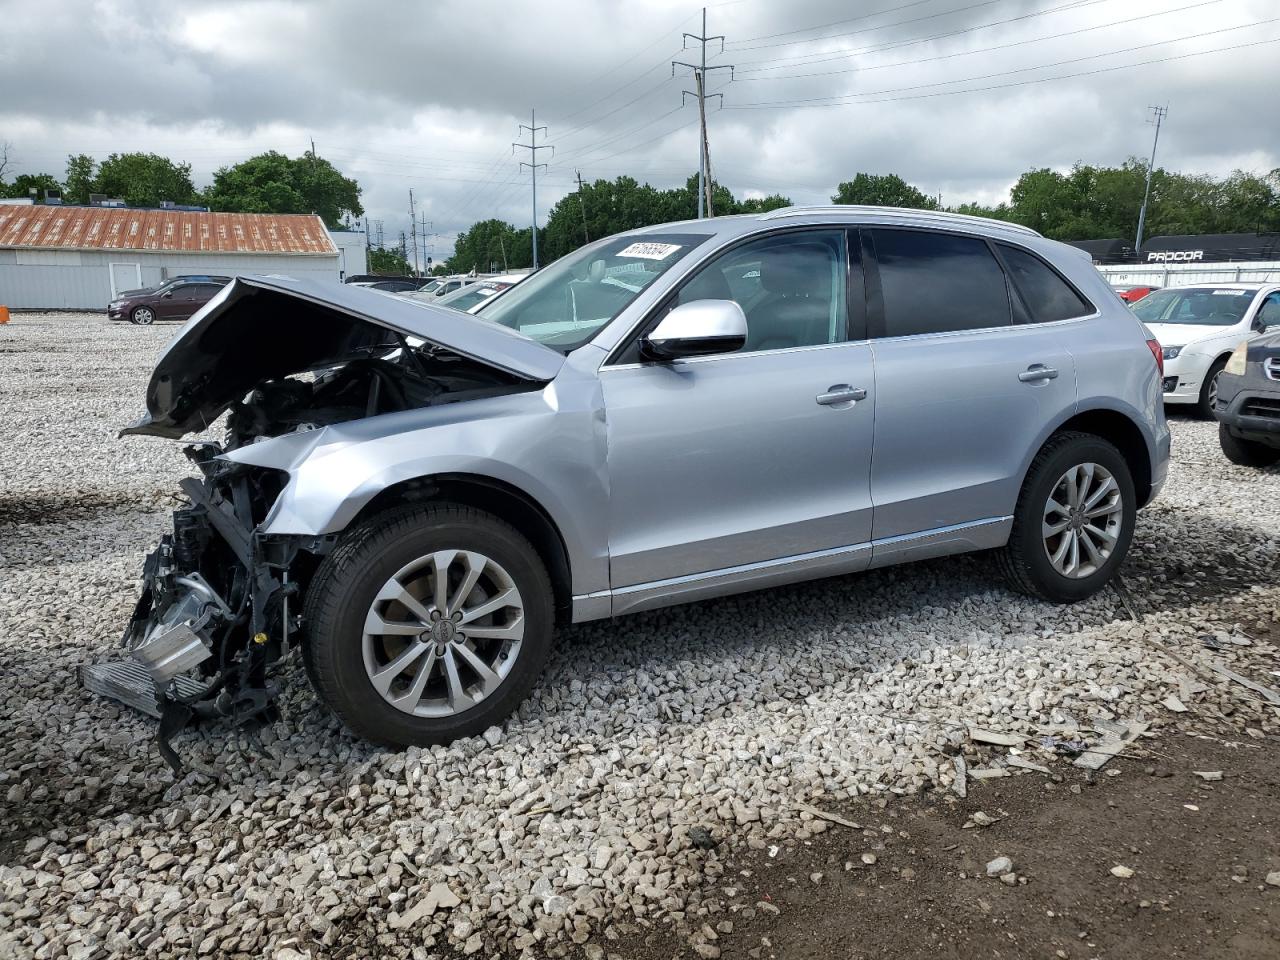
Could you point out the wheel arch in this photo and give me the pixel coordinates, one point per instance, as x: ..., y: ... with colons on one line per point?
x: 1122, y: 432
x: 503, y: 500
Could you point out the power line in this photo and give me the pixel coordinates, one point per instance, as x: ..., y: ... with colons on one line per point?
x: 864, y: 16
x: 825, y: 56
x: 1041, y: 66
x: 969, y: 53
x: 844, y: 101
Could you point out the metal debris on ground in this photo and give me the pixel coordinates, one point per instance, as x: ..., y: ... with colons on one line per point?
x: 1016, y: 761
x: 961, y: 782
x: 1111, y: 745
x: 1266, y: 692
x: 1208, y: 774
x: 995, y: 738
x: 824, y: 815
x: 1064, y: 746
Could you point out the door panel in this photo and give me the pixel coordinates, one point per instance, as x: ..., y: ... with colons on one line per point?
x: 723, y: 461
x: 955, y: 424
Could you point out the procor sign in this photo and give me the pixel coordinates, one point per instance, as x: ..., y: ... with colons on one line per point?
x: 1174, y: 256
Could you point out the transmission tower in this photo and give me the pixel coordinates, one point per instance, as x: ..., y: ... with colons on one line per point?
x: 700, y: 81
x: 533, y: 147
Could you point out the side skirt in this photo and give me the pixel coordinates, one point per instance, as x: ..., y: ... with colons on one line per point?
x: 940, y: 542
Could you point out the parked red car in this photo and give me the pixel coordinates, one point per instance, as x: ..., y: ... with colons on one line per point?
x: 1132, y: 294
x: 176, y: 300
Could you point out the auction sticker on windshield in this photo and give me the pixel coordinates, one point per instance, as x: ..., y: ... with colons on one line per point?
x: 650, y: 251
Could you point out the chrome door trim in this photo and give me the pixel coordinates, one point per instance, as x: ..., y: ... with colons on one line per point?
x: 956, y: 538
x: 684, y: 361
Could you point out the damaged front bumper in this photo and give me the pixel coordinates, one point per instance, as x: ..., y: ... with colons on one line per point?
x: 214, y: 614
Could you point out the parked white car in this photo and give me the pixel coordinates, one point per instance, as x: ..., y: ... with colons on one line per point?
x: 471, y: 299
x: 1198, y: 327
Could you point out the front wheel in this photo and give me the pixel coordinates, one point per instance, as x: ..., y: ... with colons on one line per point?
x: 1209, y: 390
x: 1074, y: 520
x: 1246, y: 453
x: 142, y: 316
x: 428, y: 624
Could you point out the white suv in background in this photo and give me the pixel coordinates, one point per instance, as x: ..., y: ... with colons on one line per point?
x: 1198, y: 327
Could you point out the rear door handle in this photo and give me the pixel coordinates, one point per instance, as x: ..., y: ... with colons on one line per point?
x: 1038, y: 372
x: 841, y: 393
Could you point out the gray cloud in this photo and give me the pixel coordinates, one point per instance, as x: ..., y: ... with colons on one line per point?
x: 407, y: 94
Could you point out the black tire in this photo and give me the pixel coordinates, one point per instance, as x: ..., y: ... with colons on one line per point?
x: 344, y: 587
x: 1246, y: 453
x: 142, y: 316
x: 1204, y: 406
x: 1025, y: 559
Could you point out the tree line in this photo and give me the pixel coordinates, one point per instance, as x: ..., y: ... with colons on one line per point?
x: 267, y: 183
x: 1086, y: 203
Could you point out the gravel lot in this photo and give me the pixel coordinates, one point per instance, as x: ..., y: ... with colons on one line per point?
x: 572, y: 830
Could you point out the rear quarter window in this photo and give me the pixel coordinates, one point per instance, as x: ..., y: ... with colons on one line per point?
x: 1047, y: 296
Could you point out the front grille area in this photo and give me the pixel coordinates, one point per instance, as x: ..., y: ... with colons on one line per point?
x: 1272, y: 367
x: 1261, y: 407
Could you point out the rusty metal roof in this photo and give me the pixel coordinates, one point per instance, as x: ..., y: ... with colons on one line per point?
x: 115, y: 228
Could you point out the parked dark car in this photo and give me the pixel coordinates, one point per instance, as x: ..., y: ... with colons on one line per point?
x: 1248, y: 403
x: 177, y: 299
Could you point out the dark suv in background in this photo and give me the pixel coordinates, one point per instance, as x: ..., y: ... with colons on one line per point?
x: 177, y: 299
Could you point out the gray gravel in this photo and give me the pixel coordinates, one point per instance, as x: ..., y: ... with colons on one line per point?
x: 653, y: 744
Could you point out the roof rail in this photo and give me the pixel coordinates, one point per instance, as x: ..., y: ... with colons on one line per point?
x: 863, y: 210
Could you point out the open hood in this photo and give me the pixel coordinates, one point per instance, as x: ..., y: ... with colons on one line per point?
x: 263, y: 328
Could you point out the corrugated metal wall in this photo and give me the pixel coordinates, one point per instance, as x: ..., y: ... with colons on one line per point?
x: 63, y: 285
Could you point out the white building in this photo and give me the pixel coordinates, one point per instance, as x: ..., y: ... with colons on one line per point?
x: 78, y: 258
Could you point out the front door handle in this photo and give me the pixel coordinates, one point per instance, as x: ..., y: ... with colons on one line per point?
x: 841, y: 393
x: 1037, y: 373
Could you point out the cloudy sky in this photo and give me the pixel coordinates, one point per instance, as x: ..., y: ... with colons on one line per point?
x: 957, y: 96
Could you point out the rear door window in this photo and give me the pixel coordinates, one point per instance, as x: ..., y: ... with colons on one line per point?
x: 938, y: 283
x: 1047, y: 296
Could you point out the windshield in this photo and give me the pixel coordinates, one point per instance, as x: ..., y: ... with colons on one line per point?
x: 468, y: 297
x: 1198, y: 306
x: 567, y: 303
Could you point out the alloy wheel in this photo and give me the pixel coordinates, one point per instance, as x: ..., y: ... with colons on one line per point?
x: 1213, y: 391
x: 443, y: 633
x: 143, y: 316
x: 1082, y: 520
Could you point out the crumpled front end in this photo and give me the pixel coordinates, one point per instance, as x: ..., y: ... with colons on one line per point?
x: 214, y: 614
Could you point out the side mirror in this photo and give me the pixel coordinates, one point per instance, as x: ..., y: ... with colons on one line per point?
x: 696, y: 329
x: 1259, y: 325
x: 167, y: 295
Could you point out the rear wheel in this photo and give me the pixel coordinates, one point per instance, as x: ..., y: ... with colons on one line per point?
x: 1246, y: 453
x: 428, y: 624
x: 1209, y: 389
x: 1074, y: 519
x: 142, y: 316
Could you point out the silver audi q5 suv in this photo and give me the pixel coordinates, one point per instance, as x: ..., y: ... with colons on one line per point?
x: 415, y: 497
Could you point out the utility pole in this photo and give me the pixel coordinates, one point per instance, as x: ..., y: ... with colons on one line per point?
x: 1157, y: 117
x: 426, y: 252
x: 533, y: 147
x: 586, y: 236
x: 700, y: 80
x: 413, y: 233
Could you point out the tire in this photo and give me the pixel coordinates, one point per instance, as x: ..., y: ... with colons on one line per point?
x: 1246, y: 453
x: 1026, y: 560
x: 1209, y: 389
x: 348, y: 597
x: 142, y: 316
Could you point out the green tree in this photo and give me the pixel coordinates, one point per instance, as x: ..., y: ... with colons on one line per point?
x: 774, y: 201
x: 883, y: 190
x: 23, y: 182
x: 274, y: 183
x: 390, y: 262
x: 82, y: 173
x: 144, y: 179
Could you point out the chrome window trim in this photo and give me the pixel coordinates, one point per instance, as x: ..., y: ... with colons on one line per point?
x: 735, y: 355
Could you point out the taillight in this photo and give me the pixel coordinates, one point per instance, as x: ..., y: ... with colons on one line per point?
x: 1158, y: 353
